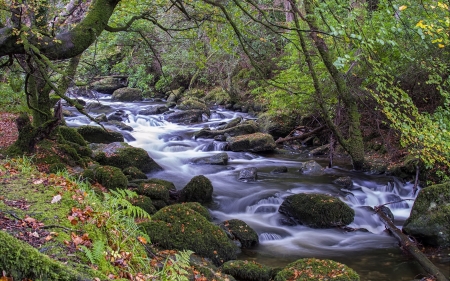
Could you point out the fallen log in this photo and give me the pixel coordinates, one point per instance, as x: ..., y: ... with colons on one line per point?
x: 383, y: 213
x: 302, y: 136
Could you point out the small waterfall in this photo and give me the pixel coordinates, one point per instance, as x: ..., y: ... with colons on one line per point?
x: 269, y: 237
x: 267, y: 205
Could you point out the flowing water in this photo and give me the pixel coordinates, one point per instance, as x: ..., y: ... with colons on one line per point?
x: 372, y: 253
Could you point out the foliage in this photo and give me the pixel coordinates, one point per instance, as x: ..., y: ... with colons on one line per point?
x: 176, y: 269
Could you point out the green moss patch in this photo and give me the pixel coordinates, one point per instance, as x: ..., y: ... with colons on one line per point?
x: 199, y: 189
x: 247, y: 270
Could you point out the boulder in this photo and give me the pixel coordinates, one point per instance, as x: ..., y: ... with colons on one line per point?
x: 134, y: 173
x: 345, y: 182
x: 98, y: 108
x: 248, y: 174
x: 121, y: 125
x: 190, y: 103
x: 143, y: 202
x: 185, y: 117
x: 123, y: 155
x: 127, y: 95
x: 279, y: 126
x: 256, y: 142
x: 314, y: 269
x: 242, y: 232
x: 199, y: 189
x: 233, y: 123
x: 429, y: 221
x: 71, y: 135
x: 96, y: 134
x: 108, y: 85
x: 179, y: 227
x: 153, y: 110
x: 317, y: 210
x: 108, y: 176
x: 279, y: 170
x: 247, y: 270
x: 216, y: 159
x: 249, y: 127
x: 311, y: 168
x: 199, y: 209
x: 156, y: 189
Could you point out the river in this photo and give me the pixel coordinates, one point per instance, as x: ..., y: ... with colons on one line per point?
x: 374, y: 254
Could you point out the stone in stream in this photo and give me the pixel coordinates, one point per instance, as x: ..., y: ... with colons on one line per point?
x: 345, y: 182
x: 199, y: 189
x: 279, y: 170
x: 216, y: 159
x: 257, y: 142
x: 245, y: 128
x: 127, y: 95
x: 247, y: 270
x: 108, y: 85
x: 186, y: 117
x: 429, y: 221
x: 95, y: 134
x: 241, y: 231
x: 317, y: 210
x: 153, y: 110
x: 311, y: 168
x: 248, y: 174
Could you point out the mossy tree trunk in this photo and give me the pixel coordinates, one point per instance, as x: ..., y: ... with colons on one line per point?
x: 352, y: 140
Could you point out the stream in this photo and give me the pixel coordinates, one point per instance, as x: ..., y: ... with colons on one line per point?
x: 374, y: 254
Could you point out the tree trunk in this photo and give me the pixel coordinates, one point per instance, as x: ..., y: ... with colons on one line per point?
x: 409, y: 246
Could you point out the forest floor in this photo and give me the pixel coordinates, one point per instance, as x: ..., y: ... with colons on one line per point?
x: 8, y: 129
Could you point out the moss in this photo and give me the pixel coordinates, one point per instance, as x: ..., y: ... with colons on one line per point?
x: 430, y: 216
x: 315, y: 269
x: 56, y: 167
x: 199, y: 209
x: 199, y: 189
x: 145, y: 203
x: 249, y: 127
x: 217, y: 96
x: 98, y: 135
x: 21, y: 261
x: 110, y: 177
x: 159, y: 204
x: 179, y: 227
x: 247, y: 270
x: 71, y: 135
x: 153, y: 190
x: 134, y: 173
x: 252, y: 142
x: 317, y: 210
x: 242, y: 232
x: 122, y: 155
x: 191, y: 103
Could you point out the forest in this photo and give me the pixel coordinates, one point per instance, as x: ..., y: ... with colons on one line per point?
x: 345, y: 92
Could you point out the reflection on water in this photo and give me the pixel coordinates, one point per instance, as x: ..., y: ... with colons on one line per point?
x: 370, y: 251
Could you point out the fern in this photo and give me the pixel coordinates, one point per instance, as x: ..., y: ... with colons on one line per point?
x: 176, y: 270
x: 119, y: 202
x: 96, y: 255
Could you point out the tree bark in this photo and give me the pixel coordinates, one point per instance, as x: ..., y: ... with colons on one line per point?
x: 410, y: 247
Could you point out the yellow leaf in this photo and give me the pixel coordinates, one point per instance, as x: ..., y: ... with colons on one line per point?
x: 441, y: 46
x: 401, y: 8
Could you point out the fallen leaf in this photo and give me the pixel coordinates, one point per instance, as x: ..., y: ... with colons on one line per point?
x: 48, y: 238
x: 56, y: 199
x: 38, y: 181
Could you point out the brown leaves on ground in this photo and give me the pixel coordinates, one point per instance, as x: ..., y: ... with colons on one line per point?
x: 8, y: 129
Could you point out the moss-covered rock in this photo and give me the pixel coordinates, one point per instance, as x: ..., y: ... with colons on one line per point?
x: 256, y: 142
x: 98, y: 135
x: 123, y: 155
x: 192, y: 103
x: 199, y: 189
x: 20, y: 261
x: 317, y: 210
x: 108, y: 176
x: 311, y: 168
x: 233, y: 123
x: 199, y: 209
x: 179, y: 227
x: 108, y: 85
x: 429, y: 221
x: 241, y: 231
x: 185, y: 117
x: 345, y: 182
x: 127, y: 95
x: 247, y: 270
x: 245, y: 128
x: 153, y: 190
x: 217, y: 96
x: 71, y: 135
x: 279, y: 125
x: 216, y: 159
x: 134, y: 173
x: 315, y: 269
x: 145, y: 203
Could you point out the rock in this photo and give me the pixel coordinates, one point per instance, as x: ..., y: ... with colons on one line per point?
x: 241, y: 231
x: 314, y: 269
x: 108, y: 85
x: 199, y: 189
x: 256, y: 142
x: 317, y: 210
x: 101, y: 118
x: 96, y: 134
x: 155, y: 189
x: 108, y: 176
x: 98, y: 108
x: 134, y: 173
x: 216, y: 159
x: 191, y: 103
x: 279, y: 170
x: 186, y: 117
x: 127, y: 95
x: 144, y: 202
x: 248, y: 174
x: 199, y: 209
x: 123, y: 155
x: 217, y: 96
x: 311, y: 168
x: 233, y: 123
x: 429, y: 221
x: 249, y: 127
x: 154, y: 110
x: 179, y: 227
x: 121, y: 125
x: 345, y: 182
x: 71, y: 135
x: 247, y: 270
x: 279, y: 126
x: 174, y: 95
